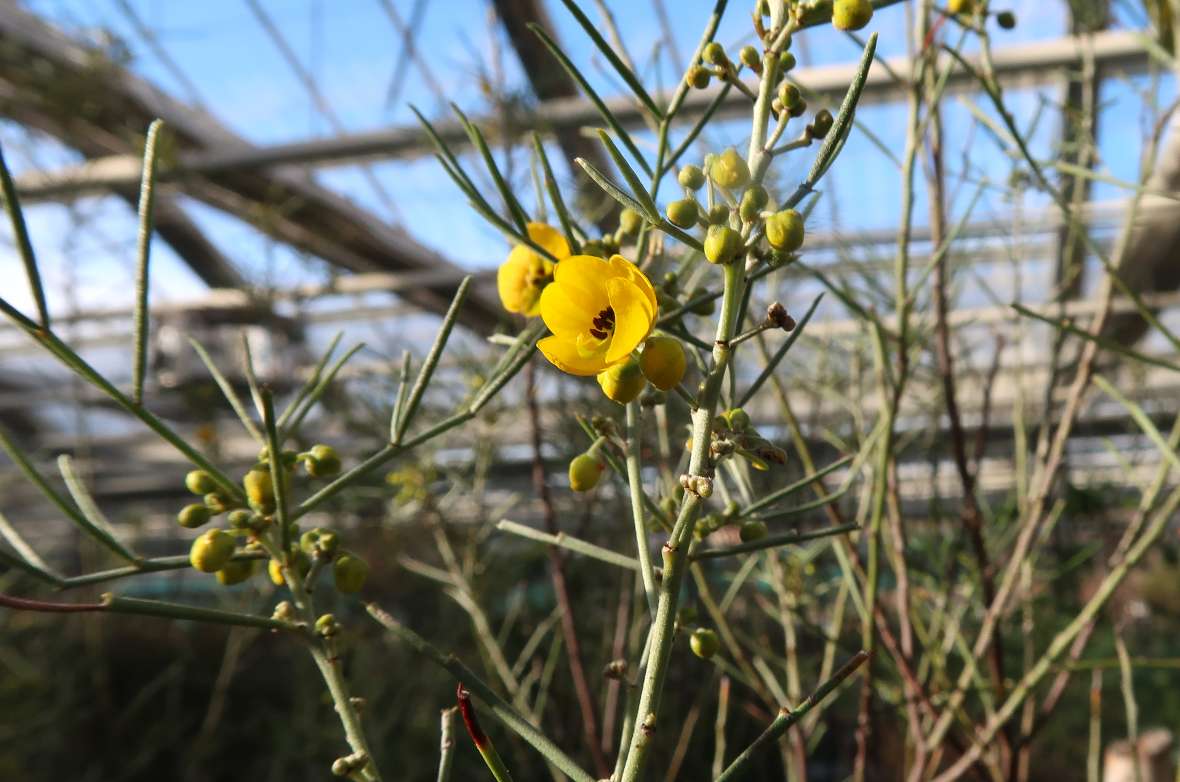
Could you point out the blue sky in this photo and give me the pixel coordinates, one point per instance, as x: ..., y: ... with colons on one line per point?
x: 351, y: 48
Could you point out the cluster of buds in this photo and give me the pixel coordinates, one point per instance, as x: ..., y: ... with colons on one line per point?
x: 217, y: 551
x: 700, y: 485
x: 733, y: 434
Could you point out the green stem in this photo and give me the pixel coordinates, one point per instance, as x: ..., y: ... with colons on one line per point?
x: 635, y: 483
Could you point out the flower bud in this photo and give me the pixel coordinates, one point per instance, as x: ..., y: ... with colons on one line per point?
x: 663, y: 362
x: 698, y: 77
x: 786, y: 61
x: 349, y: 572
x: 960, y: 6
x: 211, y: 551
x: 322, y: 462
x: 739, y: 419
x: 722, y: 244
x: 798, y: 109
x: 200, y: 482
x: 193, y: 516
x: 851, y: 14
x: 239, y: 519
x: 327, y: 626
x: 235, y: 572
x: 752, y: 202
x: 629, y: 222
x: 714, y: 54
x: 729, y: 170
x: 584, y: 472
x: 260, y: 490
x: 822, y: 123
x: 299, y: 560
x: 623, y: 381
x: 752, y: 530
x: 691, y: 177
x: 702, y: 486
x: 789, y: 95
x: 750, y: 58
x: 215, y: 503
x: 1006, y: 20
x: 776, y: 313
x: 718, y: 215
x: 683, y: 213
x: 704, y: 308
x: 704, y: 643
x: 784, y: 230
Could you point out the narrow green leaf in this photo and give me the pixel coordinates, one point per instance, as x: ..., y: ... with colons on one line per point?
x: 100, y: 526
x: 614, y: 191
x: 514, y: 208
x: 607, y: 115
x: 432, y: 358
x: 147, y: 202
x: 24, y: 246
x: 1141, y: 418
x: 608, y: 51
x: 1102, y: 342
x: 568, y: 226
x: 227, y: 390
x: 638, y: 190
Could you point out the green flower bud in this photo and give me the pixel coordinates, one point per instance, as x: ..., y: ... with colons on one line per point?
x: 821, y: 124
x: 323, y: 462
x: 718, y: 215
x: 299, y: 560
x: 211, y: 551
x: 789, y: 95
x: 327, y: 626
x: 584, y: 472
x: 623, y: 381
x: 784, y: 230
x: 698, y: 77
x: 851, y: 14
x: 722, y: 244
x: 704, y: 643
x: 328, y: 542
x: 235, y: 572
x: 630, y: 222
x: 714, y: 54
x: 260, y: 490
x: 349, y: 572
x: 683, y: 213
x: 752, y: 530
x: 729, y: 170
x: 750, y: 57
x: 215, y: 503
x: 239, y: 519
x: 739, y: 419
x: 786, y: 62
x: 663, y: 362
x: 200, y: 482
x: 960, y: 6
x: 691, y: 177
x: 798, y: 109
x: 1006, y: 20
x: 193, y: 516
x: 752, y: 202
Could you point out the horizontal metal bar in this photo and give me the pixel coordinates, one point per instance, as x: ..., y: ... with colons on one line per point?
x: 1029, y: 64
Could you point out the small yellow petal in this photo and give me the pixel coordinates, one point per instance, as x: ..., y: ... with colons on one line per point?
x: 633, y: 317
x: 562, y: 313
x: 583, y: 277
x: 550, y: 238
x: 563, y: 354
x: 622, y: 267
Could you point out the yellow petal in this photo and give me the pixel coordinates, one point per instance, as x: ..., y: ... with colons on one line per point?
x: 583, y: 278
x: 562, y: 313
x: 563, y: 354
x: 550, y: 238
x: 633, y: 317
x: 622, y: 267
x: 511, y: 282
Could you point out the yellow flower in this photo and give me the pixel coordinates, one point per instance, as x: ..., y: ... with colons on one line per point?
x: 599, y: 311
x: 522, y: 277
